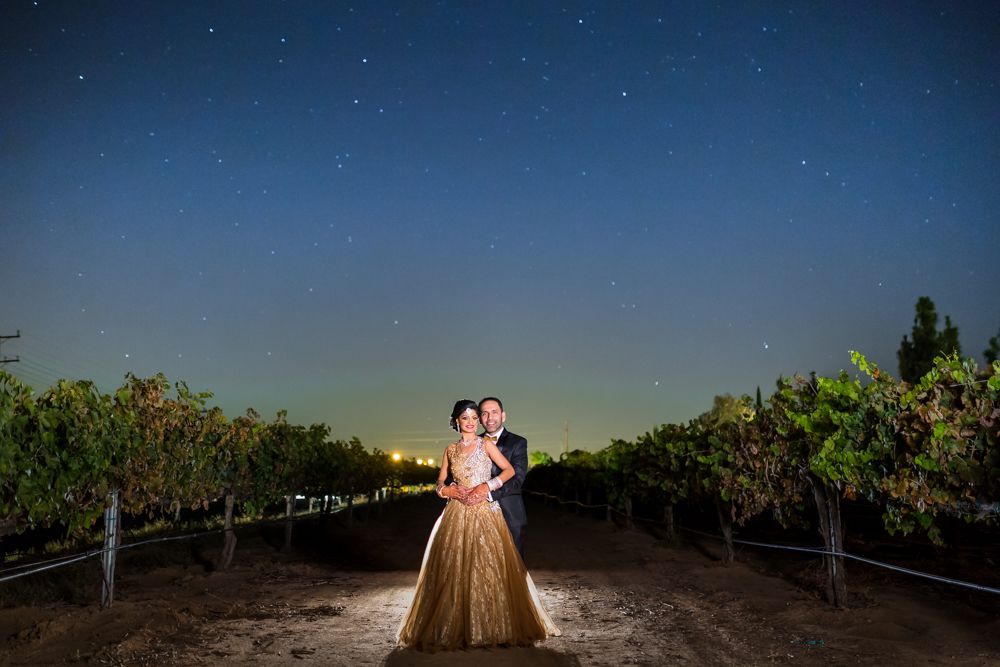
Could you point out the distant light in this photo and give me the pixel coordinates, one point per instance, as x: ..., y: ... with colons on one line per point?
x: 396, y: 456
x: 430, y: 462
x: 420, y: 462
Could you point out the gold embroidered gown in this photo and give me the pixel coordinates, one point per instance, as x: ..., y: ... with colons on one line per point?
x: 473, y: 588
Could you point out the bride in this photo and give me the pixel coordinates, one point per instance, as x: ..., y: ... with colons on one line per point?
x: 473, y: 588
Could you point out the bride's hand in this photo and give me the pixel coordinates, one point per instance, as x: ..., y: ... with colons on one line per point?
x: 473, y: 495
x: 478, y: 494
x: 466, y: 495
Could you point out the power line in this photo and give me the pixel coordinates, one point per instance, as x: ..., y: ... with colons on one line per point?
x: 40, y: 348
x: 39, y: 378
x: 43, y: 366
x: 9, y: 360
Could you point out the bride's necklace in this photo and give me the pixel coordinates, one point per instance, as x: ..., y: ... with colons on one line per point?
x: 466, y: 443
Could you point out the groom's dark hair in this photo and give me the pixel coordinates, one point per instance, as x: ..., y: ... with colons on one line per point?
x: 491, y: 398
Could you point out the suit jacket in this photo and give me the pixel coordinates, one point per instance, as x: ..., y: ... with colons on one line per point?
x: 515, y: 449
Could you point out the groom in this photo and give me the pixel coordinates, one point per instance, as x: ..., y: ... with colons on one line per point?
x: 515, y: 449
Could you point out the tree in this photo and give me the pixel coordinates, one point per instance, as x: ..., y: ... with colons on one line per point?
x: 582, y: 474
x: 946, y: 436
x: 725, y: 409
x: 916, y: 356
x: 716, y: 458
x: 537, y: 458
x: 992, y: 353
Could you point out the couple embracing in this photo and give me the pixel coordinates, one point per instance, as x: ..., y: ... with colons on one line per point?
x: 473, y: 588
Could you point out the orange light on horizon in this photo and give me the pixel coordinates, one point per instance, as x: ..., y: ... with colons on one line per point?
x: 396, y: 456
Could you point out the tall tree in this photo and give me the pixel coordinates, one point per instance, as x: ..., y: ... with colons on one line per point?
x: 992, y: 353
x: 916, y: 356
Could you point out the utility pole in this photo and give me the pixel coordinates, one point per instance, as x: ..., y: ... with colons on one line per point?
x: 9, y: 360
x: 566, y: 437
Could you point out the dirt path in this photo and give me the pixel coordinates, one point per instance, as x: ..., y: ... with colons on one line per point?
x: 619, y: 597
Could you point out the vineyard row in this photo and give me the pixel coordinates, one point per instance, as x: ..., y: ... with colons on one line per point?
x: 915, y: 451
x: 67, y: 451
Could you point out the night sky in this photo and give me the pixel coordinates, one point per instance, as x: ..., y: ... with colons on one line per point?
x: 604, y: 212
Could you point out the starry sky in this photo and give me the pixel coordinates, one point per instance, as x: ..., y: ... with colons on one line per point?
x: 604, y: 212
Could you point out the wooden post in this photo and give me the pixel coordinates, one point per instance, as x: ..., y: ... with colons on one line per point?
x: 668, y: 520
x: 111, y: 538
x: 628, y: 512
x: 289, y: 512
x: 229, y: 543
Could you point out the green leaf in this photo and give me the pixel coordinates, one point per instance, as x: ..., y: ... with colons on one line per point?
x: 939, y: 430
x: 926, y: 462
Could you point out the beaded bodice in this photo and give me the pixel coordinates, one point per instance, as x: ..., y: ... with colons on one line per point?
x: 470, y: 465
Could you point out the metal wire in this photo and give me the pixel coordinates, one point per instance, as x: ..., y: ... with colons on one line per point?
x: 40, y: 562
x: 60, y: 561
x: 79, y: 557
x: 817, y: 551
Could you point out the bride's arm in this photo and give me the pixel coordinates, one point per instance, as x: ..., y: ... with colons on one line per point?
x: 451, y: 491
x: 506, y: 469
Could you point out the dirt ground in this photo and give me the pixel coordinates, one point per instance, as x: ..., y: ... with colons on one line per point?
x: 620, y: 597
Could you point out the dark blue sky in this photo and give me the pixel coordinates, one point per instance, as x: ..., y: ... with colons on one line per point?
x: 604, y: 212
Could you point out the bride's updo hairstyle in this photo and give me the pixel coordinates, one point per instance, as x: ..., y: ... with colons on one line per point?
x: 460, y: 407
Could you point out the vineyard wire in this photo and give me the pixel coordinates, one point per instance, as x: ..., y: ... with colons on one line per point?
x: 75, y: 558
x: 897, y: 568
x: 43, y: 562
x: 819, y: 551
x: 51, y: 566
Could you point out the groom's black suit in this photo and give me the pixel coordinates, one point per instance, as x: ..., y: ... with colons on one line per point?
x: 515, y: 449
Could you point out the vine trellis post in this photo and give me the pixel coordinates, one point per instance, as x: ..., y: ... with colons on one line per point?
x: 229, y: 542
x: 289, y: 517
x: 112, y: 533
